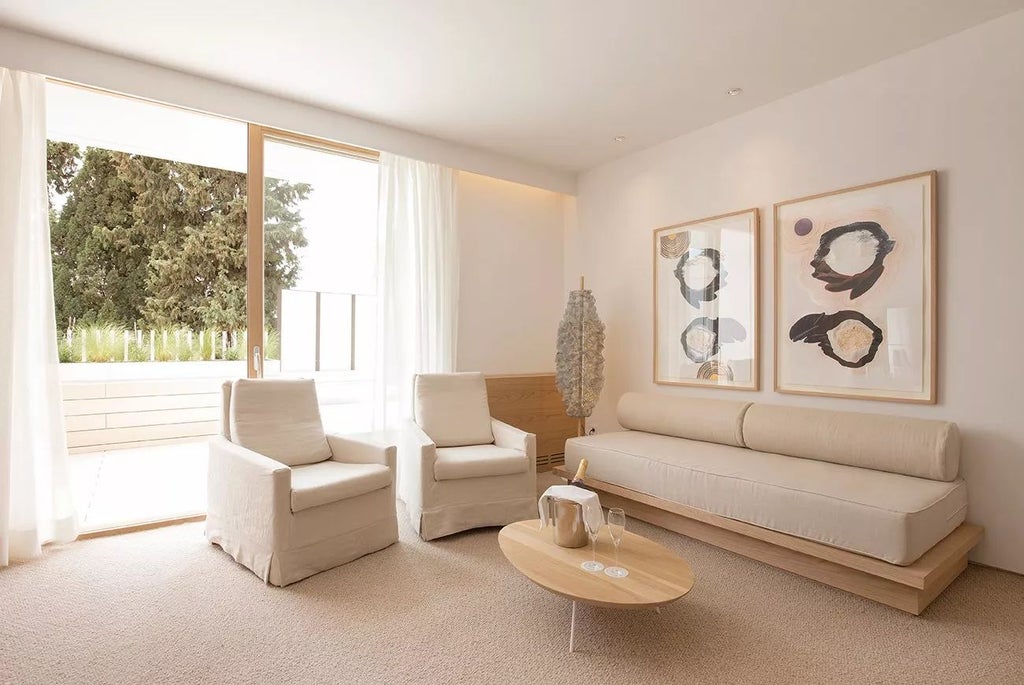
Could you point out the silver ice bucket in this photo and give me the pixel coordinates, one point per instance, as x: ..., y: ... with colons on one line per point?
x: 567, y: 519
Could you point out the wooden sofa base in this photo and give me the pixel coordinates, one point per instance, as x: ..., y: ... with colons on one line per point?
x: 909, y: 588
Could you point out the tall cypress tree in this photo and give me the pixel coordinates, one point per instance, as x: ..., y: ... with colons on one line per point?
x: 148, y: 241
x: 97, y: 253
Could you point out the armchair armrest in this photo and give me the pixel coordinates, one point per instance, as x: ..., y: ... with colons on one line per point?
x: 415, y: 434
x: 513, y: 438
x: 358, y: 450
x: 516, y: 439
x: 248, y: 492
x: 416, y: 456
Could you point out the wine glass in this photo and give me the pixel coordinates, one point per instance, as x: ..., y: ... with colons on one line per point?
x: 616, y: 526
x: 593, y: 566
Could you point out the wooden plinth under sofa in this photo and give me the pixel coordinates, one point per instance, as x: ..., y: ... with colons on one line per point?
x: 870, y: 504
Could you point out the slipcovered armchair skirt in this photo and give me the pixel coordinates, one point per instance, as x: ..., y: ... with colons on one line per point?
x: 460, y: 468
x: 285, y: 499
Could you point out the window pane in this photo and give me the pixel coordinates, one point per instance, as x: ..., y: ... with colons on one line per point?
x: 321, y: 259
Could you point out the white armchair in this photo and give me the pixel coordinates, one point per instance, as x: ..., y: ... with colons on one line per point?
x: 460, y: 468
x: 286, y: 500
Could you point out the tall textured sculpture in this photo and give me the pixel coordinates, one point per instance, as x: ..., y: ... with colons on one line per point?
x: 579, y: 360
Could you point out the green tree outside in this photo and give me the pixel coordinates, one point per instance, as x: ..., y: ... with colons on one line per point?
x: 148, y: 242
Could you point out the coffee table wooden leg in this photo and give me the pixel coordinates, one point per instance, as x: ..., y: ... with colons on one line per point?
x: 572, y: 630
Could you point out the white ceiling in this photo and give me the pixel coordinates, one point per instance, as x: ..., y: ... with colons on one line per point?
x: 550, y: 81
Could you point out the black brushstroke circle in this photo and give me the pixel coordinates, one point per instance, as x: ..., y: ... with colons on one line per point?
x: 707, y: 294
x: 724, y: 331
x: 699, y: 356
x: 814, y: 329
x: 859, y: 283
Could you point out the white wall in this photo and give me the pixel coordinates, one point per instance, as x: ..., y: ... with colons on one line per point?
x: 28, y: 52
x: 510, y: 262
x: 957, y: 106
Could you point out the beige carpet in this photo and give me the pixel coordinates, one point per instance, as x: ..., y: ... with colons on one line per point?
x: 164, y: 606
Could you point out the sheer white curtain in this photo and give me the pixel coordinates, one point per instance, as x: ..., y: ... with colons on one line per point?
x: 418, y: 281
x: 36, y: 504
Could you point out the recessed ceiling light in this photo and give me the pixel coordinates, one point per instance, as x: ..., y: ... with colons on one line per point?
x: 620, y: 139
x: 733, y: 92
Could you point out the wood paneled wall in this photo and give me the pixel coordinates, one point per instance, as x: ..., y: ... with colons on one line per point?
x: 532, y: 403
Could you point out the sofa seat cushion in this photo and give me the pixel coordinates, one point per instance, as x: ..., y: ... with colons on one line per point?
x: 476, y: 461
x: 330, y: 481
x: 888, y: 516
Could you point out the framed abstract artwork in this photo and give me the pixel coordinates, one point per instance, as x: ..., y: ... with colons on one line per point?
x: 706, y: 302
x: 855, y: 292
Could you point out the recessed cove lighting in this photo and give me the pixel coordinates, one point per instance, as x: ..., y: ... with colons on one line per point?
x: 620, y: 139
x: 733, y: 92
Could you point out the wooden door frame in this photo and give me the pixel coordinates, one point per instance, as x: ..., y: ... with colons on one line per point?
x: 254, y: 251
x: 255, y: 179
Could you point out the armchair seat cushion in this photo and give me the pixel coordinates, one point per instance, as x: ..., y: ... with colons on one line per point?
x: 330, y: 481
x: 476, y: 461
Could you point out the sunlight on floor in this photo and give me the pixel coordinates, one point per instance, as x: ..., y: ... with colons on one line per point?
x: 126, y: 487
x: 131, y: 486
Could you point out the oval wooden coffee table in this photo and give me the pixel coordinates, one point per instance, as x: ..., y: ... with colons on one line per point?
x: 656, y: 577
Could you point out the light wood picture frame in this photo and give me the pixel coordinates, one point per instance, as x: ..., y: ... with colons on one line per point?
x: 706, y: 284
x: 855, y: 292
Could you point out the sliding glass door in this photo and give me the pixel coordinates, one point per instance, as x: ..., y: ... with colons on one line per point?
x: 190, y: 249
x: 316, y: 277
x: 149, y: 247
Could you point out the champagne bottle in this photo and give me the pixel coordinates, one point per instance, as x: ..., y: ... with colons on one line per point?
x: 581, y: 473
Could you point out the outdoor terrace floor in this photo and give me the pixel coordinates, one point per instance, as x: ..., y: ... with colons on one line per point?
x: 126, y: 487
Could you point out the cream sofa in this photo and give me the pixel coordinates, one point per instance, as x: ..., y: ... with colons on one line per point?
x: 871, y: 504
x: 883, y: 486
x: 285, y: 499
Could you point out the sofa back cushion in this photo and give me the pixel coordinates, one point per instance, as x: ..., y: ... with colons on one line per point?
x: 279, y: 419
x: 913, y: 447
x: 452, y: 409
x: 718, y: 421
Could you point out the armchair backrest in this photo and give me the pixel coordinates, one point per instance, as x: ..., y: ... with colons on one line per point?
x: 452, y: 409
x: 278, y: 418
